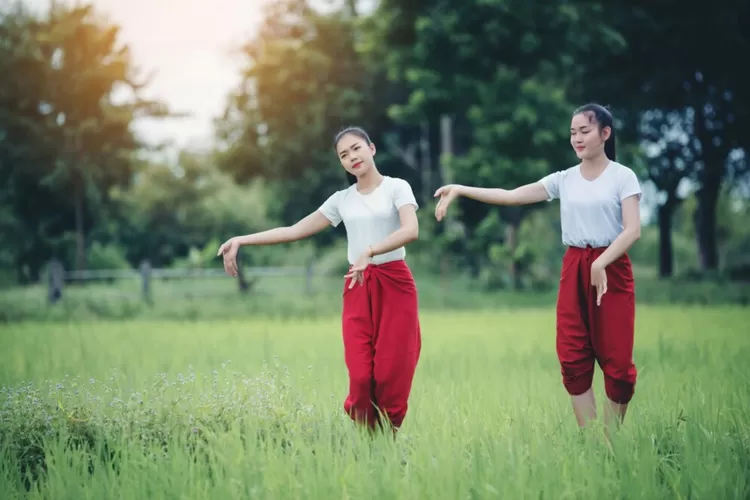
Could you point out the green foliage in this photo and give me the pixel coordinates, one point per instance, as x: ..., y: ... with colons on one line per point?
x: 65, y: 140
x: 301, y: 84
x: 171, y: 208
x: 485, y: 64
x: 107, y: 257
x: 506, y: 73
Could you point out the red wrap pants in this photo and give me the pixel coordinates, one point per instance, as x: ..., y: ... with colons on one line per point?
x: 382, y: 343
x: 587, y: 332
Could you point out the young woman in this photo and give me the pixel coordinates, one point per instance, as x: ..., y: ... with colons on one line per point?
x: 380, y: 322
x: 600, y: 218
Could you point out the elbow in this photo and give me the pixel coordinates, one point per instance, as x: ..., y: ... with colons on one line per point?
x: 510, y: 198
x: 290, y: 234
x: 635, y: 233
x: 411, y: 233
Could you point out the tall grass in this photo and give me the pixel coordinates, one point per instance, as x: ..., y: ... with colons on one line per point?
x: 252, y: 409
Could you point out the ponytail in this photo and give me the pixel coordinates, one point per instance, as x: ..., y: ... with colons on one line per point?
x: 609, y: 146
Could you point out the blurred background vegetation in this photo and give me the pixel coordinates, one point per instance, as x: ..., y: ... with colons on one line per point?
x: 479, y: 92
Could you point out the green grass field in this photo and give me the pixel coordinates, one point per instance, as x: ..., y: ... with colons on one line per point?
x: 252, y: 409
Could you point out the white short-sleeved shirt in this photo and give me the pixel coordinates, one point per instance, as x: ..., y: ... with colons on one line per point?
x: 591, y: 211
x: 370, y: 218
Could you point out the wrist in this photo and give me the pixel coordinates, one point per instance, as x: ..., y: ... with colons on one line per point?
x: 369, y: 253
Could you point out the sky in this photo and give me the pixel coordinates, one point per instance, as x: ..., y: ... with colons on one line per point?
x: 187, y: 45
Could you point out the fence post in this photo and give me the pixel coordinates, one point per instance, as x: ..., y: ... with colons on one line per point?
x: 309, y: 277
x: 244, y: 286
x: 56, y: 281
x: 146, y: 280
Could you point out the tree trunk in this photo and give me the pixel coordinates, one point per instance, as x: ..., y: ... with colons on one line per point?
x: 513, y: 223
x: 714, y: 158
x: 666, y: 253
x: 704, y: 218
x: 426, y: 163
x: 80, y: 241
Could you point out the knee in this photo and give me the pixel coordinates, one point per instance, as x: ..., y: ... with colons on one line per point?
x: 361, y: 386
x: 619, y: 390
x: 577, y: 377
x: 393, y: 414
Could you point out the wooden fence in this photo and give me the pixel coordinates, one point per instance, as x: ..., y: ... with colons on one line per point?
x: 58, y: 277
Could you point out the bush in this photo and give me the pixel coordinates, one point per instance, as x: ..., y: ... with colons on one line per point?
x: 96, y: 418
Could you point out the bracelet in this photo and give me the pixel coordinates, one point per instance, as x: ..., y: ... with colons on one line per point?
x: 370, y: 252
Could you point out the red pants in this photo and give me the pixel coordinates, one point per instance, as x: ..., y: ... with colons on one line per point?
x: 587, y: 332
x: 382, y: 343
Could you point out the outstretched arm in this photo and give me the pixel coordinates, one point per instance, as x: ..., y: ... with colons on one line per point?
x: 523, y: 195
x: 313, y: 223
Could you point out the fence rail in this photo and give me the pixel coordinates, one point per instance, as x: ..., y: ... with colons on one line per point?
x: 58, y: 276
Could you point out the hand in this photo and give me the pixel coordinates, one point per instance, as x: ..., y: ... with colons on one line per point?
x: 447, y: 194
x: 599, y: 280
x: 229, y: 250
x: 356, y: 273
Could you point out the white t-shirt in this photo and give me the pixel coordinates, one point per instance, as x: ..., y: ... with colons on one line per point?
x: 370, y: 218
x: 591, y: 211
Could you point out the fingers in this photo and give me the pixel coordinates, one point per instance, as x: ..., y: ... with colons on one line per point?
x: 230, y: 266
x: 354, y: 270
x: 601, y: 289
x: 356, y: 277
x: 439, y: 192
x: 230, y: 262
x: 441, y: 208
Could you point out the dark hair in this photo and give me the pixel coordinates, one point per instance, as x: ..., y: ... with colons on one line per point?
x: 358, y: 131
x: 603, y: 118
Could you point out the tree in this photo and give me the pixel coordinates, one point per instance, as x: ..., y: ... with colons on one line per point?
x: 302, y: 83
x: 666, y: 66
x: 65, y: 140
x: 86, y: 67
x: 668, y: 137
x: 501, y: 69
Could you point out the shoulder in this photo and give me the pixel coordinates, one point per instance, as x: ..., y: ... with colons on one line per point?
x: 337, y: 197
x: 400, y: 192
x: 626, y: 180
x: 624, y: 174
x: 395, y: 183
x: 344, y: 193
x: 623, y: 170
x: 561, y: 175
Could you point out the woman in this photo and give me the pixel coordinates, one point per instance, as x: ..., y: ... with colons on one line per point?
x: 600, y: 219
x: 380, y: 322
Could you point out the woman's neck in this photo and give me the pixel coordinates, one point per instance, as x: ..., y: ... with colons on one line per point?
x: 369, y: 181
x: 595, y: 166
